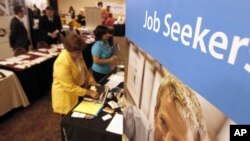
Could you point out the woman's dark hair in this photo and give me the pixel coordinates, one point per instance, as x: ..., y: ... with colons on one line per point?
x: 49, y: 8
x: 18, y: 9
x: 100, y: 4
x: 111, y: 40
x: 99, y: 31
x: 73, y: 42
x: 108, y: 8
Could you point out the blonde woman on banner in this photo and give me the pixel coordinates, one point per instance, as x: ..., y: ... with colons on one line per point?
x: 178, y: 115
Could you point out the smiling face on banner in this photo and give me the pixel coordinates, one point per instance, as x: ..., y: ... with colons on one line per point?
x: 178, y: 115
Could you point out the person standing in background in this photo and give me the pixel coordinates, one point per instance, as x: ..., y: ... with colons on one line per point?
x: 105, y: 14
x: 50, y: 26
x: 36, y: 12
x: 100, y: 5
x: 72, y: 12
x: 109, y: 22
x: 18, y: 33
x: 81, y: 18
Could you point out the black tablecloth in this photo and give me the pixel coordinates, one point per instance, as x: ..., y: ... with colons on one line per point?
x: 78, y: 129
x: 36, y: 80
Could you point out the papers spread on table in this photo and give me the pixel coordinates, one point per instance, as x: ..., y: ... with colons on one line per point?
x: 24, y: 56
x: 90, y: 40
x: 40, y: 54
x: 116, y: 124
x: 20, y: 66
x: 5, y: 63
x: 43, y: 49
x: 115, y: 80
x: 88, y: 107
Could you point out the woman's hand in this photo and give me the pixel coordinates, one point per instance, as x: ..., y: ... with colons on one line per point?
x: 113, y: 58
x: 93, y: 94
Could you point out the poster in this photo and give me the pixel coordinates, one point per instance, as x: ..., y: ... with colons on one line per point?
x: 185, y: 37
x: 170, y: 105
x: 135, y: 72
x: 147, y: 87
x: 208, y: 65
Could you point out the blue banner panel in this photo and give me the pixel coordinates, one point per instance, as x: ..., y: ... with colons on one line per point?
x: 206, y: 43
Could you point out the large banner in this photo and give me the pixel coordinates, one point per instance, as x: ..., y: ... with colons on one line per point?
x: 205, y: 43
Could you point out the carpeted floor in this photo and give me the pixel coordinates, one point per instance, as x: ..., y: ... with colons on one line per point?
x: 37, y: 122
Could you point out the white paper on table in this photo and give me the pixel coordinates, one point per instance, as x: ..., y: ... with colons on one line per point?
x: 116, y: 77
x: 116, y: 124
x: 89, y: 36
x: 54, y: 53
x: 20, y: 66
x: 41, y: 59
x: 24, y: 56
x: 114, y: 80
x: 26, y: 61
x: 112, y: 83
x: 54, y: 49
x: 13, y: 60
x: 88, y: 42
x: 78, y: 115
x: 5, y: 63
x: 121, y: 66
x: 43, y: 49
x: 120, y: 73
x: 60, y: 46
x: 37, y: 53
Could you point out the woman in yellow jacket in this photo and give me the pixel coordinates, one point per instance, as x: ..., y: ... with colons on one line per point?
x: 70, y: 73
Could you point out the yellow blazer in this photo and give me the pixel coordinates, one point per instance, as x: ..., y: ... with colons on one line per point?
x: 66, y: 83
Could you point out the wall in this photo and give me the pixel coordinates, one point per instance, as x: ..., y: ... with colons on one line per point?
x: 77, y: 4
x: 5, y: 50
x: 6, y: 9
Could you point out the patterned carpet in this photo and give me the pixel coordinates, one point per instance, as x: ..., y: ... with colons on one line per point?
x: 37, y: 122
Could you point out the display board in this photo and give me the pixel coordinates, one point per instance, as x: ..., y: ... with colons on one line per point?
x: 93, y: 17
x: 203, y: 43
x: 135, y: 73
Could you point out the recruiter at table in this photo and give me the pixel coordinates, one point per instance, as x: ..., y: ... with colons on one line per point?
x: 70, y: 73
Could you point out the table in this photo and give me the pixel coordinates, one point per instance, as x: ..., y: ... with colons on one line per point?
x: 78, y: 129
x: 35, y: 79
x: 12, y: 94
